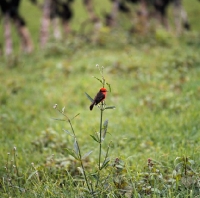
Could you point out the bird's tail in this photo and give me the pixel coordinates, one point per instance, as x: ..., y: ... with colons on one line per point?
x: 91, y: 106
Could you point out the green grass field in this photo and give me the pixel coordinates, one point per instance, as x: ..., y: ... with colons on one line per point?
x: 155, y: 87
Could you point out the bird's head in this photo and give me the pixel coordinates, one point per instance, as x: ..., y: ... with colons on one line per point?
x: 103, y: 89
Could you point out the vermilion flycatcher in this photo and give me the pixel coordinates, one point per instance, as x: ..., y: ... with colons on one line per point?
x: 101, y: 95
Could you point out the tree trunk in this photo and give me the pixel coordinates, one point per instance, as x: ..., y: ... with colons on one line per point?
x: 44, y: 31
x: 7, y: 34
x: 26, y: 41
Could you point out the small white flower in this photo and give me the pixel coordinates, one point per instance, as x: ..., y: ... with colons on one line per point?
x: 55, y: 106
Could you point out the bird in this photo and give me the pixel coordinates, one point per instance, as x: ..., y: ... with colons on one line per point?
x: 101, y: 95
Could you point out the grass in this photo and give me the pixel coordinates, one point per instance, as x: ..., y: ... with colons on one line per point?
x: 155, y: 88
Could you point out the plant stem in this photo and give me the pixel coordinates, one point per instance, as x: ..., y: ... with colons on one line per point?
x: 79, y: 151
x: 16, y: 167
x: 100, y: 142
x: 80, y: 156
x: 7, y: 174
x: 100, y: 137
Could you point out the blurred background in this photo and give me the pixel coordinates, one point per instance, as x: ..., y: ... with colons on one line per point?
x: 49, y: 49
x: 33, y: 24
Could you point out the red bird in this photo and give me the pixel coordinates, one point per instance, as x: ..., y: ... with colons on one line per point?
x: 101, y: 95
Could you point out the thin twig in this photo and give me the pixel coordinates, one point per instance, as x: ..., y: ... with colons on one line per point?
x: 79, y: 151
x: 100, y: 142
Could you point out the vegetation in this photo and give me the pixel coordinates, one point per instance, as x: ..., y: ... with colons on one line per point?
x: 152, y: 139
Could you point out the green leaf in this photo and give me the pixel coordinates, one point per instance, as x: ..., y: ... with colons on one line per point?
x: 155, y: 190
x: 81, y: 189
x: 105, y: 163
x: 179, y: 166
x: 99, y: 80
x: 63, y: 109
x: 75, y: 116
x: 87, y: 154
x: 31, y: 175
x: 21, y: 189
x: 105, y: 127
x: 109, y: 87
x: 66, y: 131
x: 111, y: 107
x: 91, y: 100
x: 80, y: 170
x: 119, y: 166
x: 72, y: 153
x: 191, y: 162
x: 76, y: 146
x: 58, y: 119
x: 94, y: 138
x: 178, y: 159
x: 95, y: 175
